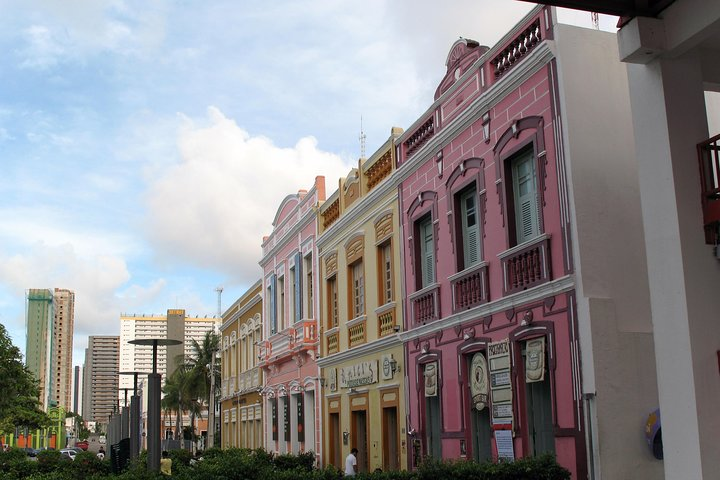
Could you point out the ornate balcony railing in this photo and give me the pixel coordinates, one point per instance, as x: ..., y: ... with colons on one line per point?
x: 332, y: 343
x: 356, y: 332
x: 526, y: 265
x: 379, y: 170
x: 709, y: 158
x: 305, y: 332
x: 518, y: 48
x: 425, y: 304
x: 419, y: 137
x: 470, y: 287
x: 386, y: 320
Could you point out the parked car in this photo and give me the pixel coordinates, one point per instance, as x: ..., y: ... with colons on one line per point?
x: 82, y: 444
x: 30, y: 452
x: 68, y: 452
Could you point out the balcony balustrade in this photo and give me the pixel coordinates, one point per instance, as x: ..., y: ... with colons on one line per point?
x: 332, y: 342
x: 526, y: 265
x: 386, y: 320
x: 356, y: 331
x: 425, y: 304
x: 470, y: 287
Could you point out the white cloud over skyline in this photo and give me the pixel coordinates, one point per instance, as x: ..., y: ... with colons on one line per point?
x: 147, y: 146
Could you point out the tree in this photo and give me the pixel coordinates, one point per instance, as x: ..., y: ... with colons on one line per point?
x: 182, y: 390
x: 19, y: 404
x: 206, y: 368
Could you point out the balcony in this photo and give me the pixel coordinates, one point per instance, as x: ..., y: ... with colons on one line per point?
x: 305, y: 333
x: 526, y: 265
x: 470, y: 287
x: 332, y: 341
x: 425, y: 304
x: 356, y: 331
x: 709, y: 158
x: 386, y: 320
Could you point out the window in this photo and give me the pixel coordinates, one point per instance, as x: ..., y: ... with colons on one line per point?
x: 272, y: 304
x: 426, y: 260
x: 297, y: 279
x: 385, y: 273
x: 332, y: 305
x: 281, y: 302
x: 468, y: 228
x: 524, y: 197
x: 308, y: 287
x: 357, y: 289
x: 292, y: 301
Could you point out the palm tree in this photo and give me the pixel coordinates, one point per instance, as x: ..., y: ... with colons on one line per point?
x: 181, y: 392
x: 205, y: 368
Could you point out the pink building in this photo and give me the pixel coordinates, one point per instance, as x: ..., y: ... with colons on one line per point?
x: 289, y: 350
x: 496, y: 228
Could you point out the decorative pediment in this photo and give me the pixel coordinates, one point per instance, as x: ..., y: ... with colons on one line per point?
x: 463, y: 54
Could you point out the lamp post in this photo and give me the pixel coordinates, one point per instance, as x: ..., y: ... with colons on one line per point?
x: 153, y: 429
x: 134, y: 414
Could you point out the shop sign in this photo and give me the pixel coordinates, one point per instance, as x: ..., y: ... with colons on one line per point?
x: 535, y: 360
x: 431, y: 379
x: 300, y: 418
x: 364, y: 373
x: 478, y: 381
x: 500, y: 382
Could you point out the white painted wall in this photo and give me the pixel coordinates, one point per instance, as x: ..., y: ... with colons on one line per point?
x: 613, y: 295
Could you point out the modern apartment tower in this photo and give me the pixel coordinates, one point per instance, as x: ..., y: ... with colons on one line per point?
x: 175, y: 324
x: 100, y: 379
x: 49, y: 323
x: 62, y: 348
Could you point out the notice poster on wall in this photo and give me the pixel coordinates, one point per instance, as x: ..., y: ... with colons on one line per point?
x: 504, y: 444
x: 500, y: 382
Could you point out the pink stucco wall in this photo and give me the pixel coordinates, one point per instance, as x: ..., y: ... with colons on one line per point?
x: 551, y: 311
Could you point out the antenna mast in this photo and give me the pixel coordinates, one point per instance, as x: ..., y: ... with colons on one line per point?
x: 595, y: 20
x: 362, y: 139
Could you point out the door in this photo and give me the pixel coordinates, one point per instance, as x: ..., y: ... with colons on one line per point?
x: 335, y: 441
x: 359, y: 438
x: 391, y: 453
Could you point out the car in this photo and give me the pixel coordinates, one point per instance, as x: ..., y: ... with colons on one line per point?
x: 101, y: 440
x: 30, y: 452
x: 82, y: 444
x: 68, y: 452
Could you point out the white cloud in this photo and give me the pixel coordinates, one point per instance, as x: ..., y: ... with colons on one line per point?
x: 213, y: 208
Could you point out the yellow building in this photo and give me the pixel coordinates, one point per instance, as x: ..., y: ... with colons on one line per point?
x: 241, y: 405
x: 361, y: 351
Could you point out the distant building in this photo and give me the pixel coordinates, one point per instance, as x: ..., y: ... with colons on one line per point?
x: 100, y: 379
x: 242, y: 379
x: 77, y: 389
x: 49, y: 321
x: 175, y: 324
x: 138, y: 358
x: 62, y: 349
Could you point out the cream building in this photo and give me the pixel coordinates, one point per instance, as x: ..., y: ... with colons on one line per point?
x: 242, y: 379
x: 361, y: 352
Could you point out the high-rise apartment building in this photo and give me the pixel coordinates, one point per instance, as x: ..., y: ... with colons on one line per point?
x: 100, y: 378
x: 175, y: 324
x: 77, y: 389
x: 62, y: 348
x: 38, y: 328
x: 49, y: 323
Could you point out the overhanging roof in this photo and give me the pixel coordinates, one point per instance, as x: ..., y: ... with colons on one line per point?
x: 620, y: 8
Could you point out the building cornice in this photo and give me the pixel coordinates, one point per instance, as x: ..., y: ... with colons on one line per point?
x: 257, y: 298
x: 290, y: 235
x: 382, y: 195
x: 533, y: 62
x: 561, y: 285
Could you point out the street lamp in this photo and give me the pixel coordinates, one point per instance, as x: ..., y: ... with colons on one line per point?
x: 134, y: 414
x: 153, y: 428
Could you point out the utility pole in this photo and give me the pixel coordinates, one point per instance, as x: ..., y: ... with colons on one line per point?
x: 211, y: 409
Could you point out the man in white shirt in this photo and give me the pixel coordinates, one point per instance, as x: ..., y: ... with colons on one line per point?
x: 351, y: 463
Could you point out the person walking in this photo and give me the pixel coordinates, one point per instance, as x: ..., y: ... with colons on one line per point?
x: 351, y: 467
x: 101, y: 453
x: 166, y: 464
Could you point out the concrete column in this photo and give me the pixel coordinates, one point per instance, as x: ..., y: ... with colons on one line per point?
x: 669, y: 121
x: 153, y: 428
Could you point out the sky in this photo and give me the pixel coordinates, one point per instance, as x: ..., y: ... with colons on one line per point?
x: 146, y: 146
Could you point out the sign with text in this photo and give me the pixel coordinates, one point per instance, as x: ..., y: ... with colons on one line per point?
x: 500, y: 382
x: 364, y: 373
